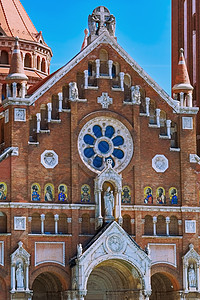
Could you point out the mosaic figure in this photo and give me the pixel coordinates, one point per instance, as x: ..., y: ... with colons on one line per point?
x: 3, y: 191
x: 49, y: 192
x: 173, y: 195
x: 148, y: 195
x: 35, y: 192
x: 85, y: 193
x: 160, y: 193
x: 62, y: 192
x: 126, y: 194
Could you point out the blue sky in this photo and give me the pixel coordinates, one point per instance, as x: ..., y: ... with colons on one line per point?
x: 143, y: 29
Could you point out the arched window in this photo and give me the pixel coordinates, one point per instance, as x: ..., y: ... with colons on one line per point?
x: 173, y: 226
x: 90, y: 69
x: 114, y: 71
x: 38, y: 63
x: 152, y: 112
x: 161, y: 225
x: 49, y: 224
x: 36, y: 223
x: 103, y: 55
x: 3, y: 223
x: 4, y: 58
x: 43, y: 65
x: 27, y: 60
x: 148, y: 225
x: 62, y: 224
x: 127, y: 224
x: 85, y: 228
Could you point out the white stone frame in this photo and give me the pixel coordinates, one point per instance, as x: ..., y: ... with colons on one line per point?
x: 163, y: 262
x: 127, y: 147
x: 2, y: 254
x: 160, y: 163
x: 188, y: 226
x: 50, y: 261
x: 19, y: 221
x: 55, y: 158
x: 17, y: 116
x: 98, y: 253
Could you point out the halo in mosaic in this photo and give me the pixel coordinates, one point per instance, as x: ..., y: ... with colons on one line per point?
x: 104, y: 138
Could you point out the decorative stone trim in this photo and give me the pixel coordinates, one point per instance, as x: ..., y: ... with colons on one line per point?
x: 2, y: 253
x: 187, y: 122
x: 20, y: 114
x: 19, y: 223
x: 194, y: 158
x: 190, y: 226
x: 160, y: 163
x: 49, y: 159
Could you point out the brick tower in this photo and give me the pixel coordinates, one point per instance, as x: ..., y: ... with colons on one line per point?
x: 36, y: 55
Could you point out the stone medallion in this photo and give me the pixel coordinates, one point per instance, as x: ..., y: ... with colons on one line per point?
x: 49, y: 159
x: 160, y: 163
x: 115, y: 243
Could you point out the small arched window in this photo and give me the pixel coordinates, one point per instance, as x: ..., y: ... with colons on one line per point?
x: 27, y: 60
x: 38, y: 63
x: 85, y: 228
x: 161, y: 225
x: 127, y: 224
x: 148, y: 225
x: 4, y: 58
x: 36, y: 223
x: 43, y: 66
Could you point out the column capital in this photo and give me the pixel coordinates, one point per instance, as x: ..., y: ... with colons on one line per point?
x: 154, y: 219
x: 42, y: 216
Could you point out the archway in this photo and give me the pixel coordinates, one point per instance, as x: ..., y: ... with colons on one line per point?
x: 114, y: 279
x: 47, y: 286
x: 162, y: 287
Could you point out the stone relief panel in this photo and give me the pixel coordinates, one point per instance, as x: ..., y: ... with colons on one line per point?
x: 190, y: 226
x: 160, y: 163
x: 6, y: 116
x: 19, y: 223
x: 187, y: 122
x: 49, y: 159
x: 20, y: 114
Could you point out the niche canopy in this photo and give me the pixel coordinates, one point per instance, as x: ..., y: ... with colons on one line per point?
x: 104, y: 138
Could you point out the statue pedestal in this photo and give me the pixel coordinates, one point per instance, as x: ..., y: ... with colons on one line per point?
x: 109, y: 219
x: 21, y: 295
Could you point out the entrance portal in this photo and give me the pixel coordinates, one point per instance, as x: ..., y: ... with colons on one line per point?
x: 114, y: 280
x: 47, y: 286
x: 162, y: 288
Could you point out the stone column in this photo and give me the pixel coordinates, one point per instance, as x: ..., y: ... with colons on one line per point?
x: 42, y: 223
x: 147, y: 100
x: 13, y: 277
x: 23, y: 90
x: 14, y: 89
x: 38, y: 115
x: 49, y: 108
x: 120, y: 206
x: 158, y: 117
x: 167, y: 225
x: 185, y: 276
x: 23, y: 57
x: 181, y: 99
x: 121, y: 76
x: 189, y: 99
x: 60, y: 100
x: 86, y: 79
x: 56, y: 218
x: 8, y: 90
x: 198, y: 283
x: 154, y: 225
x: 99, y: 202
x: 27, y: 276
x: 97, y: 68
x: 168, y: 124
x: 110, y: 64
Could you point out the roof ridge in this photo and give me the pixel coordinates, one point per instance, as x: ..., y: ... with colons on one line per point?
x: 6, y: 17
x: 23, y: 19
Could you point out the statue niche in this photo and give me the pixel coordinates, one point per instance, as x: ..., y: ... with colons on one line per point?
x: 108, y: 202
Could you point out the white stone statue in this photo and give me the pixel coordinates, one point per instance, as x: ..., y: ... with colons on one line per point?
x: 111, y: 25
x: 135, y: 94
x: 191, y: 276
x: 73, y: 91
x: 79, y: 250
x: 108, y: 202
x: 20, y: 277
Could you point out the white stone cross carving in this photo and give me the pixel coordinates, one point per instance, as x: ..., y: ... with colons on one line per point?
x: 102, y: 15
x: 105, y: 100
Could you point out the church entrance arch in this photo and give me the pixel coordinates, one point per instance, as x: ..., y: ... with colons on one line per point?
x: 114, y: 279
x: 163, y: 287
x: 47, y: 286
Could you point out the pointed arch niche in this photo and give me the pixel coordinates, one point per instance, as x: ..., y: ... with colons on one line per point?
x: 108, y: 178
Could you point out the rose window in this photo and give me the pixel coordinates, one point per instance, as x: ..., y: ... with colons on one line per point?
x: 105, y: 138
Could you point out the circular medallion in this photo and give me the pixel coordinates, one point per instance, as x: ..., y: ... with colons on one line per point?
x: 115, y: 243
x: 49, y: 159
x: 103, y: 139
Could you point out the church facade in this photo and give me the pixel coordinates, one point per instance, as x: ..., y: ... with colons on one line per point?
x: 99, y: 179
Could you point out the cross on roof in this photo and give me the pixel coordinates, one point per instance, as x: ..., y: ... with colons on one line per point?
x: 102, y: 14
